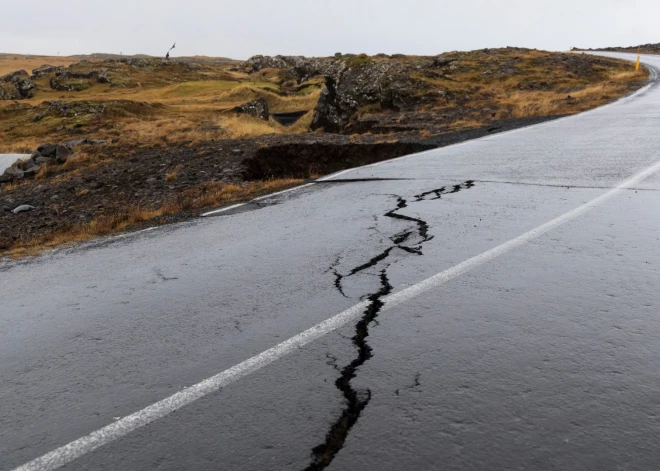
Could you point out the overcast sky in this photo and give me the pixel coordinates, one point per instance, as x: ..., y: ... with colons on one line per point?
x: 241, y: 28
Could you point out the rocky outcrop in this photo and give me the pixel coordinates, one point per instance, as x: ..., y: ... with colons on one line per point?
x: 13, y: 77
x: 8, y: 91
x: 259, y: 62
x: 442, y: 61
x: 66, y: 84
x: 68, y: 109
x: 350, y: 82
x: 16, y: 86
x: 103, y: 77
x: 348, y: 87
x: 45, y: 154
x: 44, y: 70
x: 294, y: 67
x: 257, y: 108
x: 26, y: 88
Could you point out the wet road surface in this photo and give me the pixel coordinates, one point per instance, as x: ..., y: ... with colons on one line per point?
x: 539, y: 351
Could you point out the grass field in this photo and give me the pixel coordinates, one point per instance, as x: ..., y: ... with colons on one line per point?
x: 11, y: 62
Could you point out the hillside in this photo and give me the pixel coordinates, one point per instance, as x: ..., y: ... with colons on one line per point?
x: 170, y: 138
x: 642, y: 48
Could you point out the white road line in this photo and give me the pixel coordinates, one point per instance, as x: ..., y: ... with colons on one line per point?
x: 270, y: 195
x: 222, y: 210
x: 126, y: 425
x: 282, y: 192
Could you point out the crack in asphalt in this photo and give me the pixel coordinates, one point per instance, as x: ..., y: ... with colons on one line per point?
x: 416, y: 384
x: 443, y: 191
x: 356, y: 401
x: 323, y: 454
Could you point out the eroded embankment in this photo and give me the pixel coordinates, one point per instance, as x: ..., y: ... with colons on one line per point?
x: 301, y: 160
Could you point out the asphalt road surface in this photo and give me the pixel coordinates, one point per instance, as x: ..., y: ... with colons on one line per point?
x: 490, y: 305
x: 7, y: 160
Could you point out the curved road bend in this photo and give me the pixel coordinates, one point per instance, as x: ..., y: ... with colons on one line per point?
x: 532, y: 344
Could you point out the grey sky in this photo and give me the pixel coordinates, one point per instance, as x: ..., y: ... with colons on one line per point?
x: 241, y: 28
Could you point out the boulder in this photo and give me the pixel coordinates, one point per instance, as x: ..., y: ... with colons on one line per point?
x: 8, y: 91
x: 16, y: 86
x: 103, y: 77
x: 43, y: 70
x: 257, y: 108
x: 44, y: 160
x: 348, y: 86
x: 62, y: 154
x: 47, y: 150
x: 31, y: 171
x: 26, y: 87
x: 14, y: 77
x: 442, y: 61
x: 14, y: 173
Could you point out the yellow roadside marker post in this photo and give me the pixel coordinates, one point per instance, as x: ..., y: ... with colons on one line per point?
x: 637, y: 64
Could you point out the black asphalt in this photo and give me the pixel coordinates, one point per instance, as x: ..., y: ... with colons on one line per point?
x: 545, y: 358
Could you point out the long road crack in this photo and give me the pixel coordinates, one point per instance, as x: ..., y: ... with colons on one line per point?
x: 357, y: 400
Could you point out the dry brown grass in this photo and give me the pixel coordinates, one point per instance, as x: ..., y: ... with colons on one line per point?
x: 190, y: 121
x: 202, y: 196
x: 466, y: 124
x: 9, y: 186
x: 544, y: 103
x: 81, y: 159
x: 44, y: 172
x: 478, y: 82
x: 13, y: 62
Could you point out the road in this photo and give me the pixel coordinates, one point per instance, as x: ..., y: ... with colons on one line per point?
x: 6, y: 160
x: 489, y: 305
